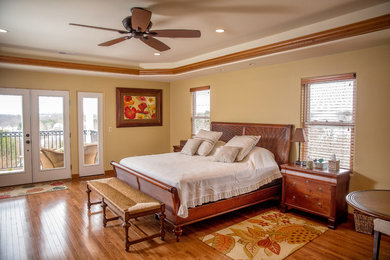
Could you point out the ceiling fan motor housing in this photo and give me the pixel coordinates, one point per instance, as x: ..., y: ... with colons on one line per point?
x: 127, y: 23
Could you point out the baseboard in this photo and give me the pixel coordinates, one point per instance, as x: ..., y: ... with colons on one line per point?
x: 108, y: 173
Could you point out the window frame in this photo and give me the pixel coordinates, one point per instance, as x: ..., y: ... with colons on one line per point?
x: 193, y: 105
x: 305, y: 123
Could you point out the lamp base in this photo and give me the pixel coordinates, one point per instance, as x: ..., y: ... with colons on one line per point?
x: 301, y: 163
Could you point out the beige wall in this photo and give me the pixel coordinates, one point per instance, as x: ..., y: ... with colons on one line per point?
x: 119, y: 143
x: 271, y: 94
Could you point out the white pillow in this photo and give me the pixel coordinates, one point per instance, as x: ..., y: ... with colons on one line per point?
x: 217, y: 145
x: 246, y: 142
x: 227, y: 154
x: 191, y: 146
x: 209, y: 138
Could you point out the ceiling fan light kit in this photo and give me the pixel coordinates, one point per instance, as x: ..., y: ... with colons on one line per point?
x: 138, y: 26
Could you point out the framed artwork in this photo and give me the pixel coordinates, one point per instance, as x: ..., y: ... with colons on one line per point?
x: 138, y: 107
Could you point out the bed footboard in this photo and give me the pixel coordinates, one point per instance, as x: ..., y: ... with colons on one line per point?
x: 154, y: 188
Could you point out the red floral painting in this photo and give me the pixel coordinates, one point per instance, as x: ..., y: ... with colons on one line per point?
x: 139, y: 107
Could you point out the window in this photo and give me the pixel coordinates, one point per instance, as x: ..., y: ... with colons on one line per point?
x: 329, y: 117
x: 200, y: 109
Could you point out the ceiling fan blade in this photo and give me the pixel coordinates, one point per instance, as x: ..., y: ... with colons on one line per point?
x: 115, y: 41
x: 155, y: 44
x: 176, y: 33
x: 140, y: 19
x: 100, y: 28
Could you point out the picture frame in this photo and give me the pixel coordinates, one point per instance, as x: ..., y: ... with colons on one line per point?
x: 138, y: 107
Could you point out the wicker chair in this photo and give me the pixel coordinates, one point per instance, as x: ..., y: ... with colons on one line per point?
x: 90, y: 153
x: 51, y: 158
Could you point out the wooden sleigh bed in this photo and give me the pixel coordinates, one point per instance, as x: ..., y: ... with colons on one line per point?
x: 274, y: 137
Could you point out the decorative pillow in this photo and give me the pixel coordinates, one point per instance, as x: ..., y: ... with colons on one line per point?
x: 209, y: 138
x: 191, y: 146
x: 246, y: 142
x: 227, y: 154
x: 217, y: 145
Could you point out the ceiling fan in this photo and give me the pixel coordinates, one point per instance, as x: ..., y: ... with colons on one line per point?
x: 138, y: 26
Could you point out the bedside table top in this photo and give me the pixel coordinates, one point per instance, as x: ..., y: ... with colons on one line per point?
x: 324, y: 172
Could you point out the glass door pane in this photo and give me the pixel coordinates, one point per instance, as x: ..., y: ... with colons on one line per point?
x: 90, y: 119
x: 51, y: 132
x: 90, y: 131
x: 51, y: 136
x: 11, y: 134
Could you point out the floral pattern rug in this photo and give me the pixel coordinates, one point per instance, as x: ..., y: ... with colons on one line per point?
x: 26, y: 189
x: 271, y: 235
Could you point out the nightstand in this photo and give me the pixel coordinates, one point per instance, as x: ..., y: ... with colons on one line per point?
x: 177, y: 148
x: 316, y: 191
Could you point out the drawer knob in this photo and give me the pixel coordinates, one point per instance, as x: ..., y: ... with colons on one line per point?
x: 320, y: 204
x: 293, y: 197
x: 320, y: 188
x: 294, y: 183
x: 306, y: 196
x: 307, y: 181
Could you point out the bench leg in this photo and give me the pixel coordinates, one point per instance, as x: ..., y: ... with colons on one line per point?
x: 105, y: 219
x: 89, y: 203
x: 162, y: 229
x: 89, y: 197
x: 104, y: 206
x: 126, y: 226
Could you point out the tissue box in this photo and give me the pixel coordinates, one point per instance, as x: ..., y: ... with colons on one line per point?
x: 334, y: 166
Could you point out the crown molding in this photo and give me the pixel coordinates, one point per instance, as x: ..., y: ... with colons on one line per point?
x: 359, y: 28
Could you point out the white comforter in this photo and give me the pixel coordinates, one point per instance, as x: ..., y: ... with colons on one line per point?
x: 200, y: 180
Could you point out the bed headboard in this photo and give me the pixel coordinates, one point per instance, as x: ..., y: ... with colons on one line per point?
x: 274, y: 137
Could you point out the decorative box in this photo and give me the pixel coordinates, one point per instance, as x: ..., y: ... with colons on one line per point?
x: 318, y: 165
x: 333, y: 166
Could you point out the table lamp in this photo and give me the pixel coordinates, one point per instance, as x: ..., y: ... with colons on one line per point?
x: 299, y: 137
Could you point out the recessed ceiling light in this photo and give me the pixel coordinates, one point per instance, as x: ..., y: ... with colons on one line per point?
x: 220, y: 30
x: 157, y: 54
x: 3, y: 30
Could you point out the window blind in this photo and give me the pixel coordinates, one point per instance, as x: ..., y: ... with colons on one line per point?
x: 200, y: 109
x: 329, y: 118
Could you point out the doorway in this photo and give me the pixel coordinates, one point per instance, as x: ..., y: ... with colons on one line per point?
x: 34, y: 136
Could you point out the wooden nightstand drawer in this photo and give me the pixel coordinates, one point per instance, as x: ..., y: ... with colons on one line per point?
x: 308, y: 186
x: 309, y: 202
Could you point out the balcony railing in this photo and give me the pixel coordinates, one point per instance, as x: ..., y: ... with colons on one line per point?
x: 11, y: 145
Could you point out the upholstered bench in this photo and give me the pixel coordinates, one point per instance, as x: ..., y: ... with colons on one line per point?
x: 126, y: 203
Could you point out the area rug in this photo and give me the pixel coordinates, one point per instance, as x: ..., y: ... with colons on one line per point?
x: 27, y: 189
x: 271, y: 235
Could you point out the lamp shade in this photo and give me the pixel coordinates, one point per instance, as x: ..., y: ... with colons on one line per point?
x: 299, y: 135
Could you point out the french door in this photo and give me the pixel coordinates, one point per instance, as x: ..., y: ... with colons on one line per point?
x: 34, y: 136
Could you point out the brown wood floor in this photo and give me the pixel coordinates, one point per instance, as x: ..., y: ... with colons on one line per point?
x: 56, y: 225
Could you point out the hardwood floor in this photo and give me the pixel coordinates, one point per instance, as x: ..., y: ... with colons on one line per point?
x: 56, y: 225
